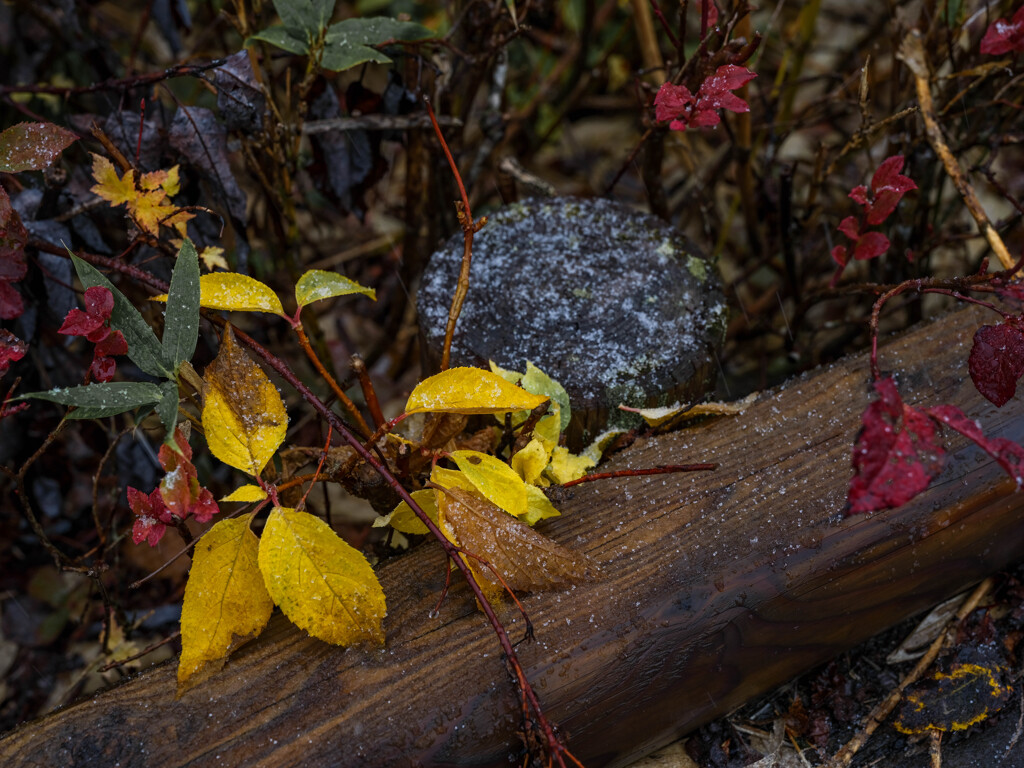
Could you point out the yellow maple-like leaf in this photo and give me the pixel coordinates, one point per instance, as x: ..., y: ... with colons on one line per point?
x: 117, y: 191
x: 317, y: 284
x: 469, y: 391
x: 566, y: 467
x: 226, y: 602
x: 150, y: 210
x: 243, y: 416
x: 494, y: 479
x: 212, y: 257
x: 232, y: 291
x: 246, y: 493
x: 403, y: 519
x: 322, y: 584
x: 531, y: 460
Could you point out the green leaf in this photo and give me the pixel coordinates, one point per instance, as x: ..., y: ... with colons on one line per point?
x: 319, y: 284
x: 348, y: 42
x: 282, y: 38
x: 143, y: 348
x: 181, y: 320
x: 308, y: 17
x: 98, y: 400
x: 539, y: 383
x: 167, y: 409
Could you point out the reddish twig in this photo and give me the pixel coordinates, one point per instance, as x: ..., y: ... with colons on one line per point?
x: 369, y: 393
x: 469, y: 228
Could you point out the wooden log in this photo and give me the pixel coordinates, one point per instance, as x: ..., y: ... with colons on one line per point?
x: 717, y: 588
x: 615, y: 304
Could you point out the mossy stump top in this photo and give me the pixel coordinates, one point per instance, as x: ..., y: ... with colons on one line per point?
x: 613, y: 303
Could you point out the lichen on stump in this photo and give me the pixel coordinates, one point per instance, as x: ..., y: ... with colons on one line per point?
x: 615, y: 304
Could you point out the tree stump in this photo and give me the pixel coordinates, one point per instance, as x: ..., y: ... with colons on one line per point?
x: 717, y: 588
x: 614, y: 304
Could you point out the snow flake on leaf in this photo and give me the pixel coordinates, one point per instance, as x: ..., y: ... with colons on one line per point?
x: 675, y: 103
x: 1005, y: 36
x: 888, y: 186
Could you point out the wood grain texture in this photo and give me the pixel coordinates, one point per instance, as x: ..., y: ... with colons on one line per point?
x: 718, y: 587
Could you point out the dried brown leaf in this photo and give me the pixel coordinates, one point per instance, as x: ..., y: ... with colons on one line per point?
x: 527, y: 560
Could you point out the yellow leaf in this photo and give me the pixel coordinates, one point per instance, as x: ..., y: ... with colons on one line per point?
x: 321, y: 583
x: 246, y: 493
x: 539, y: 383
x: 230, y: 290
x: 524, y: 558
x: 243, y: 416
x: 451, y: 478
x: 403, y: 519
x: 531, y: 460
x: 108, y: 186
x: 495, y: 479
x: 566, y: 467
x: 470, y: 391
x: 539, y: 508
x: 213, y: 258
x: 548, y: 429
x: 319, y: 284
x: 225, y: 603
x: 150, y: 210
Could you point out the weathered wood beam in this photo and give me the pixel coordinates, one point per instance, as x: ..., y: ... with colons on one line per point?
x: 717, y: 587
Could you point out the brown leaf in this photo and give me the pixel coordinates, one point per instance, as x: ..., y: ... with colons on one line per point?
x: 526, y: 560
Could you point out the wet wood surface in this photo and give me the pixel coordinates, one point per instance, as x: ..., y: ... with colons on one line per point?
x: 717, y: 587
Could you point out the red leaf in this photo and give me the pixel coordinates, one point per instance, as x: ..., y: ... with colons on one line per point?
x: 205, y: 507
x: 11, y: 305
x: 888, y: 186
x: 1008, y: 454
x: 714, y: 93
x: 11, y: 349
x: 112, y: 344
x: 859, y: 194
x: 1004, y: 36
x: 850, y: 227
x: 1012, y: 291
x: 13, y: 237
x: 99, y: 301
x: 103, y: 368
x: 151, y: 516
x: 840, y: 255
x: 997, y: 361
x: 79, y: 323
x: 870, y: 245
x: 672, y: 103
x: 32, y: 146
x: 895, y: 456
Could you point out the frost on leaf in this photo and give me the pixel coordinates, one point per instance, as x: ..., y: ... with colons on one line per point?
x: 1005, y: 36
x: 996, y: 361
x: 226, y: 602
x: 246, y: 493
x: 243, y: 416
x: 469, y: 391
x: 1007, y: 453
x: 526, y: 560
x: 232, y: 291
x: 321, y: 583
x: 675, y: 103
x: 896, y: 454
x: 32, y: 146
x: 888, y: 186
x: 12, y: 349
